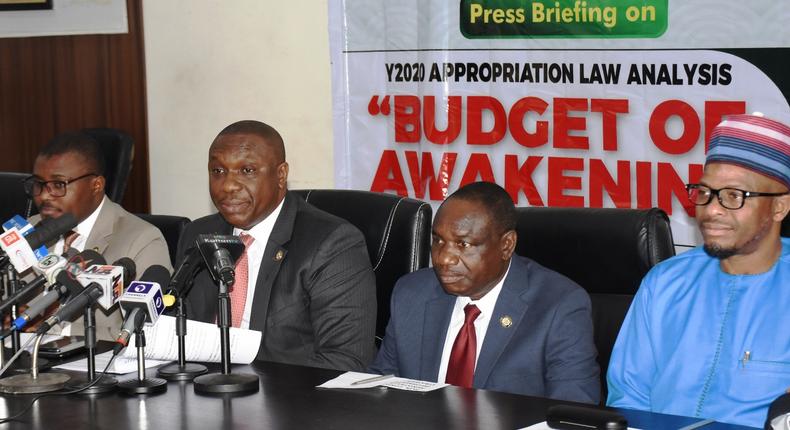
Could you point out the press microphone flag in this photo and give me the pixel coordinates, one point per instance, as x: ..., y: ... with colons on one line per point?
x: 142, y: 303
x: 111, y: 278
x: 220, y: 253
x: 19, y: 248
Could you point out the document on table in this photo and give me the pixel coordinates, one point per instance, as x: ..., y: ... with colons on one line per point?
x: 354, y: 380
x: 202, y: 344
x: 545, y: 426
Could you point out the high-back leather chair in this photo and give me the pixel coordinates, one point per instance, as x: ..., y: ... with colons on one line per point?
x: 13, y: 200
x: 786, y: 226
x: 606, y: 251
x: 397, y: 232
x: 118, y: 148
x: 171, y: 227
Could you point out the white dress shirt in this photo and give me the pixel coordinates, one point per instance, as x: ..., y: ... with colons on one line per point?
x: 260, y: 232
x: 83, y: 230
x: 486, y: 305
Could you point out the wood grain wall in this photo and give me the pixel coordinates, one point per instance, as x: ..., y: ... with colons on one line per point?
x: 49, y: 85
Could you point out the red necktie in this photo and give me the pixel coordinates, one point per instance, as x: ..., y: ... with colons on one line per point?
x: 68, y: 239
x: 461, y: 367
x: 238, y: 292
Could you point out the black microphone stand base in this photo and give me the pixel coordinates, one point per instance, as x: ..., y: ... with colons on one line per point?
x: 105, y: 384
x: 144, y: 386
x: 176, y: 372
x: 26, y: 384
x: 219, y: 383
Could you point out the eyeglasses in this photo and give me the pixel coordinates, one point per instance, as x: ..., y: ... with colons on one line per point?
x: 729, y: 198
x: 34, y: 187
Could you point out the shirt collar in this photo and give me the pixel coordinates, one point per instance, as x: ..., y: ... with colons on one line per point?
x: 487, y: 303
x: 84, y: 228
x: 262, y: 230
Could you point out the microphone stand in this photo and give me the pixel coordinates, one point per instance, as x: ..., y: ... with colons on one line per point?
x: 106, y: 383
x: 225, y: 382
x: 142, y: 385
x: 34, y: 382
x: 12, y: 284
x: 181, y: 371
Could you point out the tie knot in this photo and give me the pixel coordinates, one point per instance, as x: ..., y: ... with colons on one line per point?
x: 68, y: 239
x: 246, y: 239
x: 471, y: 312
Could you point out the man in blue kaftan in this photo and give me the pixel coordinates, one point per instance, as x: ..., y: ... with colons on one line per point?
x: 708, y: 332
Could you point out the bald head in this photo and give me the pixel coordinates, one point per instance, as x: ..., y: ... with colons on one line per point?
x: 267, y: 134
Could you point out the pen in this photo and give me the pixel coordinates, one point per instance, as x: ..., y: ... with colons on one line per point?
x: 696, y: 425
x: 373, y: 379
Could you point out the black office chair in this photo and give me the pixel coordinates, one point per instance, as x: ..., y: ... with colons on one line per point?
x: 171, y: 227
x: 118, y: 148
x: 397, y: 232
x: 606, y: 251
x: 785, y: 232
x: 13, y: 200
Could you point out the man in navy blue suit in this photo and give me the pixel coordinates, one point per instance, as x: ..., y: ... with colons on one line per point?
x: 485, y: 318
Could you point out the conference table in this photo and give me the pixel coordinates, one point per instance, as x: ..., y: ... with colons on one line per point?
x: 288, y: 399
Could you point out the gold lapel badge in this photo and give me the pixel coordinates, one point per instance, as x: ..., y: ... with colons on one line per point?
x: 506, y: 321
x: 279, y: 255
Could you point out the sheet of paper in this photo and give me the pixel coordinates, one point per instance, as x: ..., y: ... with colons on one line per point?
x: 161, y: 346
x: 347, y: 381
x: 121, y: 364
x: 202, y: 342
x: 545, y: 426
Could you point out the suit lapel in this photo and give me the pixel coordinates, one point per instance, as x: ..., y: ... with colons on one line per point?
x: 99, y: 237
x: 273, y: 257
x: 436, y: 320
x: 510, y: 304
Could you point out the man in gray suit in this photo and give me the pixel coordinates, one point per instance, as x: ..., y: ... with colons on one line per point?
x: 485, y: 318
x: 68, y: 177
x: 305, y: 279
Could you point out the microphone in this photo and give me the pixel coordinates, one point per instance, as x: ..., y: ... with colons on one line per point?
x: 220, y: 253
x: 25, y: 228
x: 110, y: 278
x: 20, y: 252
x: 87, y: 296
x: 142, y: 303
x: 59, y: 274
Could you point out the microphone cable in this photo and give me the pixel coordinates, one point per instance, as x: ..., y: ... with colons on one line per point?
x: 58, y: 393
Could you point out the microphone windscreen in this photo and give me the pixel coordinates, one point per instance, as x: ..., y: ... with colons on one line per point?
x: 88, y: 258
x: 129, y: 269
x: 51, y: 229
x: 156, y: 273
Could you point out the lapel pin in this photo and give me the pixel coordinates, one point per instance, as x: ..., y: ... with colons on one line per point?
x: 506, y: 321
x: 279, y: 255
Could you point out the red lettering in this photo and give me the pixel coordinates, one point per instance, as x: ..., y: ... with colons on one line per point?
x: 388, y: 175
x: 558, y: 182
x: 671, y: 184
x: 600, y: 179
x: 453, y: 120
x: 516, y: 123
x: 564, y: 124
x: 407, y: 119
x: 644, y: 185
x: 519, y: 179
x: 691, y: 127
x: 437, y: 184
x: 478, y: 165
x: 474, y: 120
x: 609, y: 110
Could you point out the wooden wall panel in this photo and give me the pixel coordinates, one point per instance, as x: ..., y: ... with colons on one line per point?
x: 49, y: 85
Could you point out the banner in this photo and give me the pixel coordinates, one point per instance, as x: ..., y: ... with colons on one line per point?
x: 596, y: 103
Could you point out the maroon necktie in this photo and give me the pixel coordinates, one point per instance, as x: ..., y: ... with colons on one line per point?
x: 238, y: 293
x: 68, y: 239
x: 461, y: 367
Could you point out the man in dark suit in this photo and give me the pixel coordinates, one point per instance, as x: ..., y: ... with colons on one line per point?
x: 484, y: 318
x: 305, y: 279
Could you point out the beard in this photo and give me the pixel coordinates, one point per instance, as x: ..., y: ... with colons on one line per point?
x: 717, y: 251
